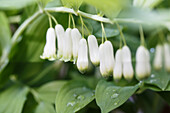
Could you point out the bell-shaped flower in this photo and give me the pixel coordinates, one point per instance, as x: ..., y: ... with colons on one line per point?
x: 148, y: 65
x: 117, y: 73
x: 50, y: 46
x: 67, y: 46
x: 106, y: 59
x: 157, y: 63
x: 143, y: 67
x: 76, y: 36
x: 60, y: 36
x: 109, y: 55
x: 167, y: 56
x: 82, y: 61
x: 102, y: 56
x: 128, y: 71
x: 93, y: 50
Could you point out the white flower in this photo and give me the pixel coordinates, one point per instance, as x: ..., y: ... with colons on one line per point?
x: 67, y: 46
x: 76, y: 36
x: 93, y: 50
x: 117, y: 73
x: 143, y: 67
x: 127, y: 63
x: 102, y: 57
x: 50, y: 46
x: 167, y: 57
x: 106, y: 59
x: 148, y: 65
x: 157, y: 63
x: 82, y: 61
x: 140, y: 62
x: 60, y: 35
x: 109, y: 56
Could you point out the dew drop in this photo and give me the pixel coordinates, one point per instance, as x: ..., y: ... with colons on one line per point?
x: 75, y: 95
x: 80, y: 97
x: 114, y: 95
x: 71, y: 103
x: 152, y: 76
x: 115, y: 103
x: 151, y: 81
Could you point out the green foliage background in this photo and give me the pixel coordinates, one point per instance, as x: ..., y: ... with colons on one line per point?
x: 31, y: 85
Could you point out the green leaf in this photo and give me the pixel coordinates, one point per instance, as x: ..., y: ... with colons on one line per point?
x: 75, y: 4
x: 110, y: 8
x: 159, y: 78
x: 110, y: 96
x: 15, y: 4
x: 49, y: 91
x: 168, y: 87
x: 5, y: 42
x: 110, y: 32
x: 44, y: 108
x: 73, y: 96
x: 12, y: 99
x: 34, y: 37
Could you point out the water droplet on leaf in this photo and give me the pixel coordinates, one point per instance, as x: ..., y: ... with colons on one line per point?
x: 71, y: 103
x: 80, y: 97
x: 114, y: 95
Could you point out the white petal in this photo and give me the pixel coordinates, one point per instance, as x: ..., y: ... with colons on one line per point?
x: 117, y: 73
x: 67, y: 49
x: 50, y: 46
x: 93, y: 50
x: 143, y: 67
x: 60, y: 35
x: 82, y: 61
x: 76, y: 36
x: 102, y: 56
x: 128, y: 71
x: 167, y: 56
x: 148, y: 65
x: 109, y: 56
x: 157, y: 63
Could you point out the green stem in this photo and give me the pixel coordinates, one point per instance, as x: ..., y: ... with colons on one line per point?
x: 161, y: 36
x: 121, y: 33
x: 50, y: 22
x: 73, y: 21
x: 142, y: 35
x: 82, y: 25
x: 103, y: 31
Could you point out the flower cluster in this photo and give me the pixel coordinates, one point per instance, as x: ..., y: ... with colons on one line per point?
x: 72, y: 47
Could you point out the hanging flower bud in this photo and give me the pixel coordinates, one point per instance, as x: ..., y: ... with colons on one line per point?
x: 167, y: 57
x: 106, y: 59
x: 50, y: 46
x: 109, y: 57
x: 148, y: 65
x: 127, y: 63
x: 157, y: 63
x: 102, y: 57
x: 76, y: 36
x: 82, y: 61
x: 117, y: 73
x: 141, y: 63
x: 60, y: 35
x: 93, y: 50
x: 67, y: 46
